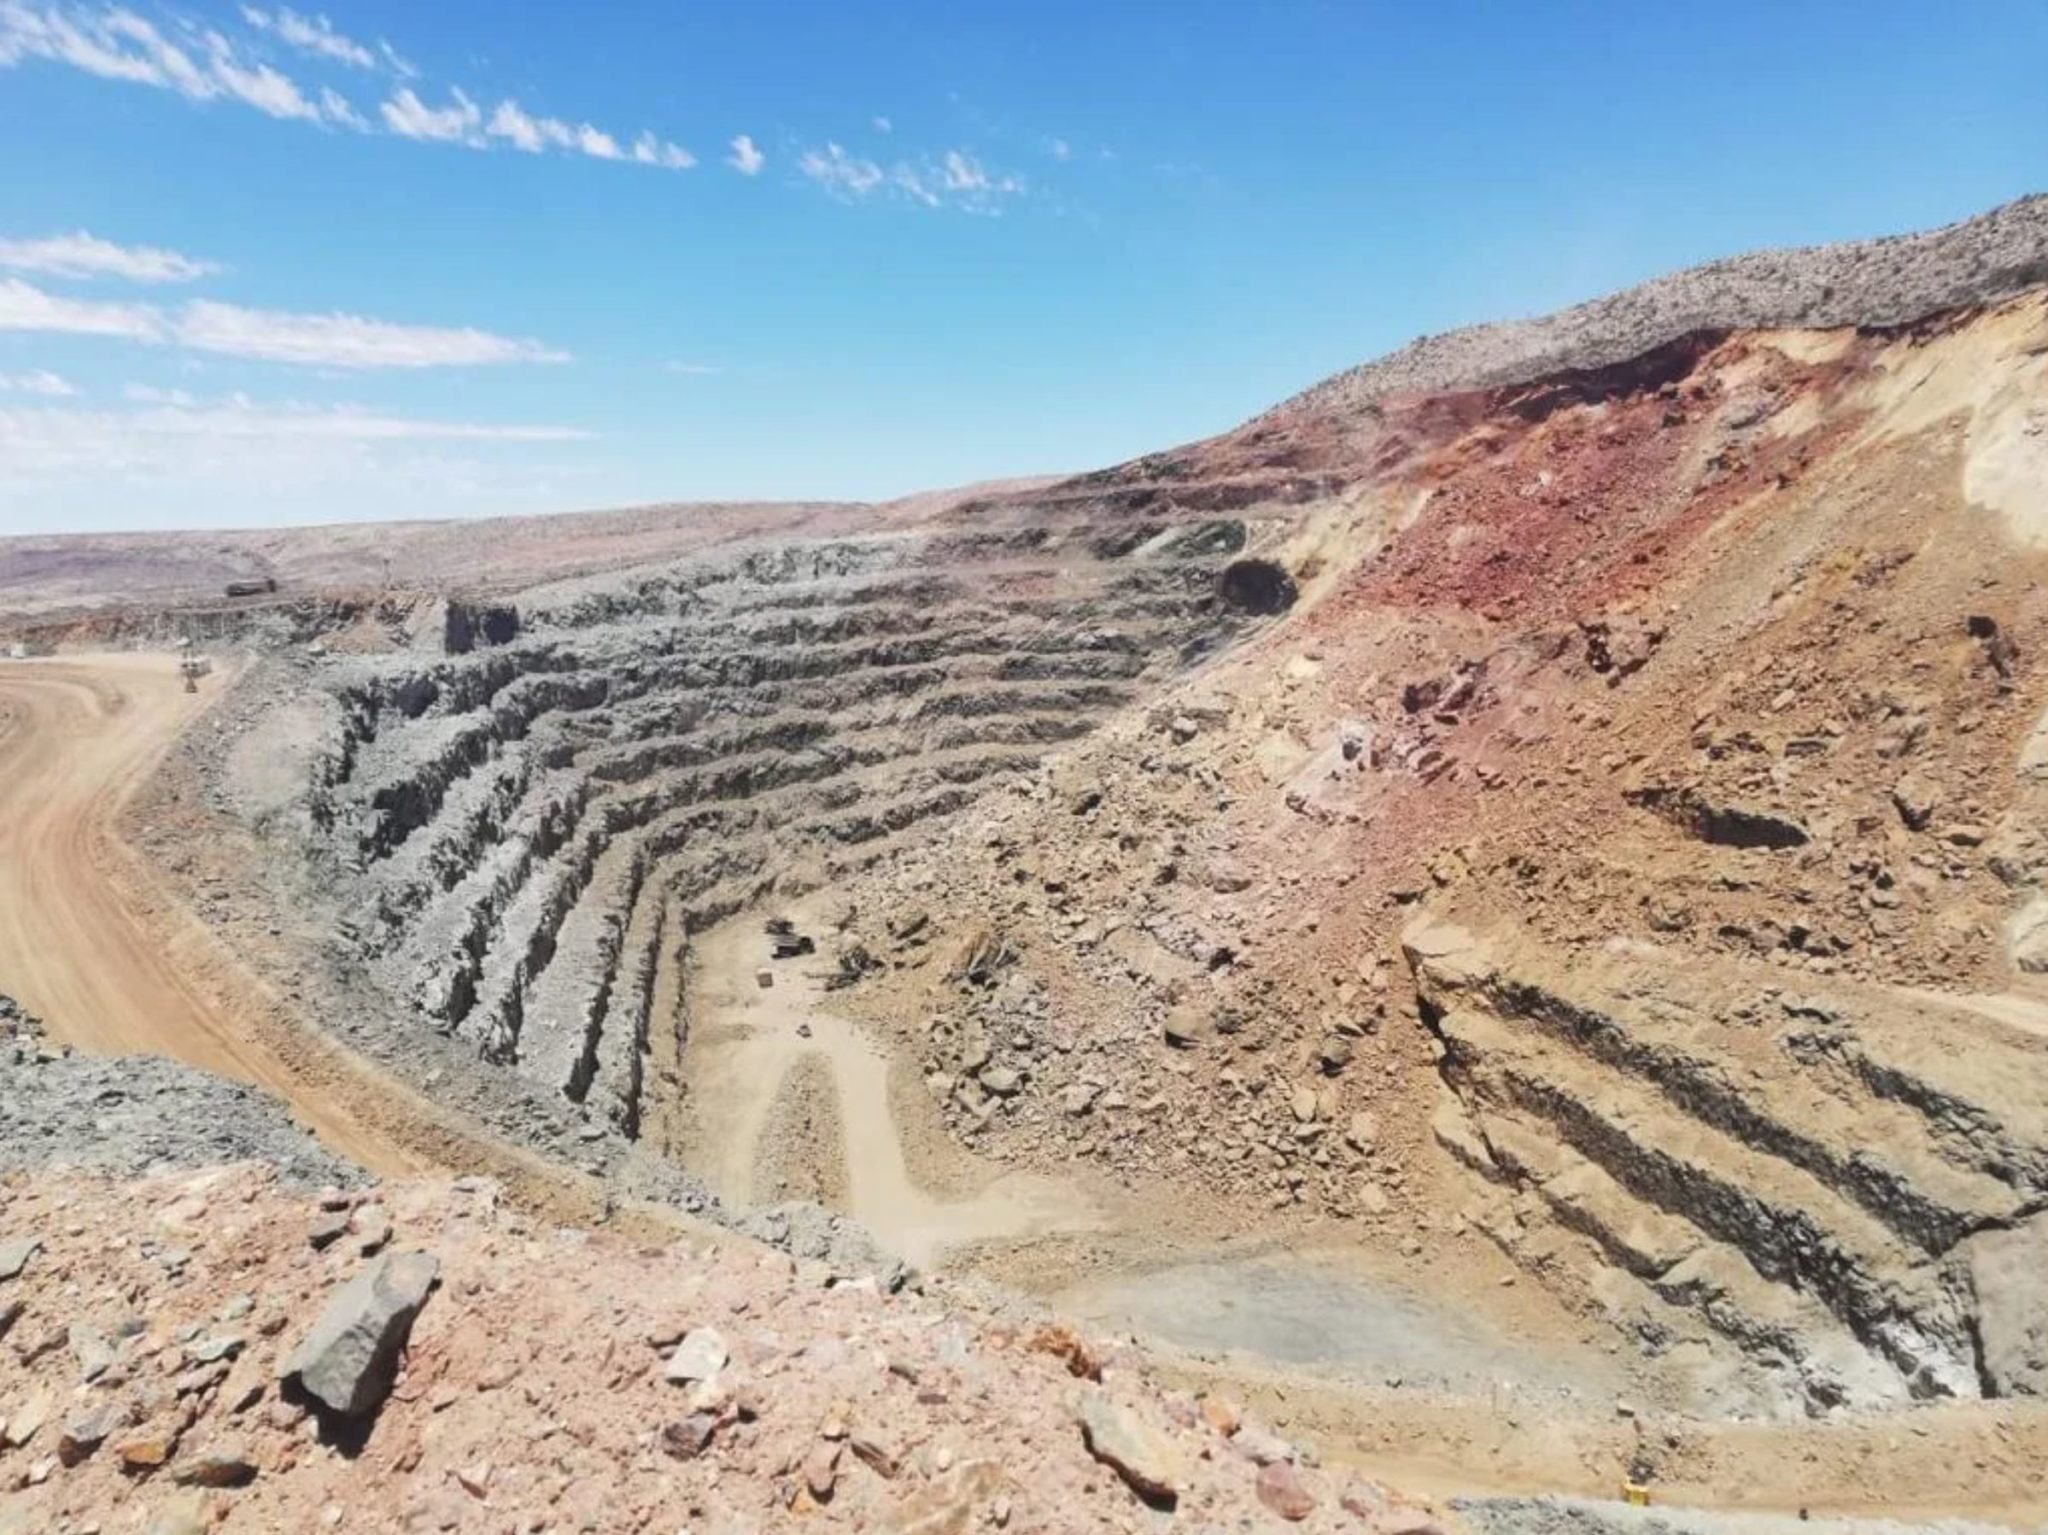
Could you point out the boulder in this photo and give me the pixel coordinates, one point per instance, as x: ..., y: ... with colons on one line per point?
x: 89, y: 1347
x: 181, y: 1516
x: 24, y: 1418
x: 86, y: 1430
x: 1189, y: 1026
x: 1142, y: 1455
x: 349, y: 1359
x: 1281, y: 1489
x: 1915, y: 798
x: 700, y: 1356
x: 15, y: 1253
x: 218, y: 1466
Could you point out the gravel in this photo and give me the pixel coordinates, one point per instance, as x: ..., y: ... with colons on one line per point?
x: 129, y: 1115
x: 1889, y: 281
x: 1572, y: 1516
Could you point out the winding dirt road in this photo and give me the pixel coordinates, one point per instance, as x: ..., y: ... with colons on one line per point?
x: 78, y: 736
x: 746, y: 1041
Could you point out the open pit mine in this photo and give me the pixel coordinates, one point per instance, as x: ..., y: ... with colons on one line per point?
x: 1471, y: 954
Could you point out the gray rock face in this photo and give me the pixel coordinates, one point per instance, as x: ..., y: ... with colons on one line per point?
x: 349, y: 1358
x: 2009, y: 1271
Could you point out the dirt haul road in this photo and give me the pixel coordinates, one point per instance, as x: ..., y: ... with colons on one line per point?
x: 77, y: 946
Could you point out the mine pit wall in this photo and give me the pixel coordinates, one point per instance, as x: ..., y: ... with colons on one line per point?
x: 258, y: 622
x: 1797, y: 1229
x: 519, y: 836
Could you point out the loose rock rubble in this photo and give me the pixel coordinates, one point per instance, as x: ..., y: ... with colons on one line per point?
x: 130, y: 1114
x: 488, y: 1375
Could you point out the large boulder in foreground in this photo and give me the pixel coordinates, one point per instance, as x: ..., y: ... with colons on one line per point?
x: 349, y: 1359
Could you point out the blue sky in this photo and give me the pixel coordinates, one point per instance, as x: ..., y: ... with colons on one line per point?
x: 265, y: 265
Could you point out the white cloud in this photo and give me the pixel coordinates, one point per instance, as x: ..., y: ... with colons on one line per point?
x: 116, y: 44
x: 912, y: 184
x: 411, y: 118
x: 956, y: 180
x: 319, y: 340
x: 1059, y: 149
x: 84, y: 255
x: 113, y: 43
x: 257, y: 85
x: 883, y: 125
x: 692, y: 369
x: 340, y: 111
x: 512, y: 124
x: 845, y: 176
x: 964, y: 173
x: 649, y: 150
x: 746, y: 156
x: 346, y: 340
x: 23, y: 306
x: 598, y: 145
x: 311, y: 34
x: 42, y: 382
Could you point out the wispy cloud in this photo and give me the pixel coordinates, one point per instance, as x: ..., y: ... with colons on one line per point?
x: 85, y: 255
x: 313, y: 35
x: 332, y: 340
x: 116, y: 44
x: 460, y: 122
x: 463, y: 122
x: 649, y: 150
x: 346, y: 340
x: 341, y: 111
x: 258, y: 85
x: 955, y: 179
x: 203, y: 63
x: 692, y: 369
x: 843, y: 175
x: 42, y: 382
x: 23, y: 306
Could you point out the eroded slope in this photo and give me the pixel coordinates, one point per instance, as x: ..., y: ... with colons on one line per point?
x: 1724, y: 657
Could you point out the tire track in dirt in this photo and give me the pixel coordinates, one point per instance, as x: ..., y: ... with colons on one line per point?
x: 745, y: 1044
x: 75, y: 944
